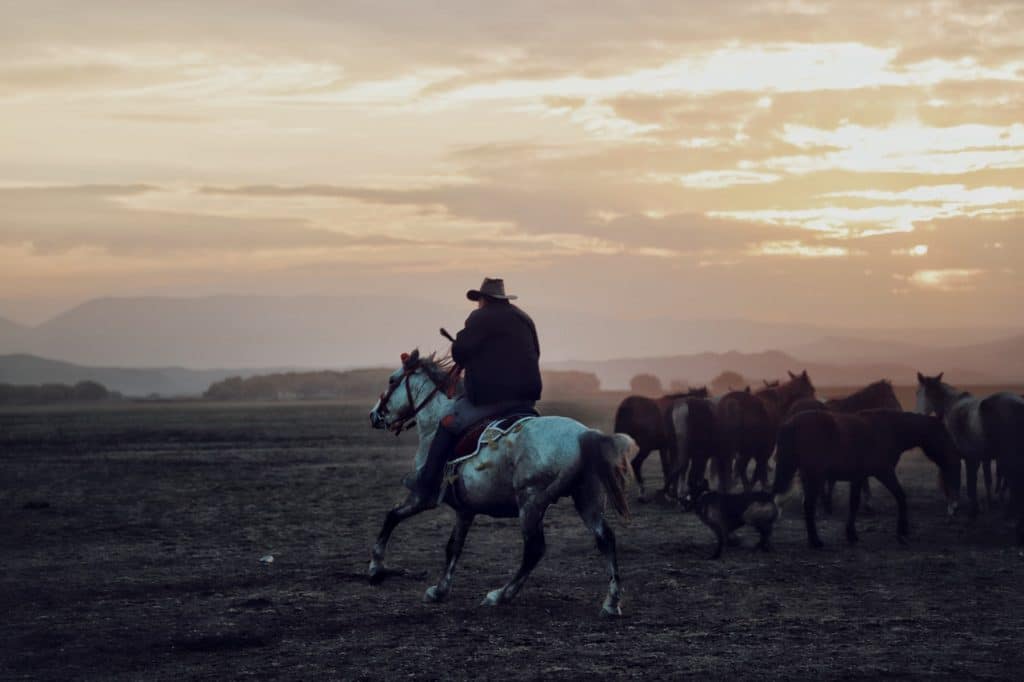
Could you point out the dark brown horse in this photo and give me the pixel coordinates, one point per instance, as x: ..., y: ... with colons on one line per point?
x: 851, y: 447
x: 649, y: 422
x: 877, y: 396
x: 747, y: 424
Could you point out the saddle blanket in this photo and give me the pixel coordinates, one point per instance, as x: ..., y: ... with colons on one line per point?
x: 489, y: 437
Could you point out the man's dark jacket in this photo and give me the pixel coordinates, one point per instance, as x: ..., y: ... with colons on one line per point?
x: 499, y: 350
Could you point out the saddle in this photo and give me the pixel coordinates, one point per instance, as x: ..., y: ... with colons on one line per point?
x: 485, y: 433
x: 471, y: 439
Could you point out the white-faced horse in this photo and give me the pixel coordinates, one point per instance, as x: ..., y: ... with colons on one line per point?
x: 522, y: 475
x: 983, y: 429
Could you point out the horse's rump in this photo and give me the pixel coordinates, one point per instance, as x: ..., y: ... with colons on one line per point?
x: 606, y: 458
x: 644, y: 420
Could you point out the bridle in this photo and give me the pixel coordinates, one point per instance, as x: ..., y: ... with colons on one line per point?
x: 407, y: 419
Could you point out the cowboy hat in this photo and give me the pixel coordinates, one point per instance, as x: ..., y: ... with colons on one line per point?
x: 491, y: 288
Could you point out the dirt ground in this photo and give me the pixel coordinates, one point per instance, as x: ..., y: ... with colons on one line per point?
x: 131, y: 539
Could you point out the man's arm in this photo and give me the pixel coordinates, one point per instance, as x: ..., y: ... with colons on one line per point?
x: 470, y: 338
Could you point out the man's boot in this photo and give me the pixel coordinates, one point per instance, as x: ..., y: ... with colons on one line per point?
x: 427, y: 485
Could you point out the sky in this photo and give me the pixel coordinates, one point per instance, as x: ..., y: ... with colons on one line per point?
x: 842, y: 163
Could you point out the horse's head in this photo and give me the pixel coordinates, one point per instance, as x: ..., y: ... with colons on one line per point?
x: 930, y: 392
x: 799, y: 386
x: 410, y: 389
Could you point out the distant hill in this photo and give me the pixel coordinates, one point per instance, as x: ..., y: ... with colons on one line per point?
x: 701, y: 368
x: 360, y: 331
x: 999, y: 359
x: 12, y: 332
x: 167, y: 381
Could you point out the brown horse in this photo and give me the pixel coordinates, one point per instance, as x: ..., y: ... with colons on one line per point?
x: 851, y: 447
x: 747, y: 424
x: 877, y: 396
x: 649, y: 422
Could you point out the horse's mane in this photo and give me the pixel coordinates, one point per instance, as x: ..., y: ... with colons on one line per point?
x: 439, y: 368
x: 868, y: 397
x: 783, y: 395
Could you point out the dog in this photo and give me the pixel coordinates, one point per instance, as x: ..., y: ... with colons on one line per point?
x: 724, y: 513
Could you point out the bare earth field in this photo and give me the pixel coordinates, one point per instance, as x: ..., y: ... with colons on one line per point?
x: 131, y: 538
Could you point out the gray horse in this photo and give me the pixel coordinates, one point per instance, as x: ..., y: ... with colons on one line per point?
x: 983, y: 429
x: 519, y: 475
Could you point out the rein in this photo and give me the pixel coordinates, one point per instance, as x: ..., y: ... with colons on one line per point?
x: 408, y: 420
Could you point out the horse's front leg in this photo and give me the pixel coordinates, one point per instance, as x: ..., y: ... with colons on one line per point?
x: 892, y: 484
x: 531, y: 517
x: 412, y: 506
x: 439, y: 592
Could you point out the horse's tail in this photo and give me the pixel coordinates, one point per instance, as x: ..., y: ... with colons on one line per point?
x: 786, y: 460
x: 607, y: 458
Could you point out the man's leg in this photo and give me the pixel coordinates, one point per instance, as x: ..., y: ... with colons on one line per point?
x: 462, y: 416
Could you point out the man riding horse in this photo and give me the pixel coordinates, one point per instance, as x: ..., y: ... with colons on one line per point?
x: 499, y: 352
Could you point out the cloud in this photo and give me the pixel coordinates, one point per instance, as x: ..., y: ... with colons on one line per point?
x: 951, y: 279
x: 53, y: 220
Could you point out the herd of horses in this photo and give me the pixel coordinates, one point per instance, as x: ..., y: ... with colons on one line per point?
x: 520, y: 472
x: 851, y: 439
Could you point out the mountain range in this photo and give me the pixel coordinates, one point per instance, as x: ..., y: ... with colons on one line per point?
x: 225, y: 335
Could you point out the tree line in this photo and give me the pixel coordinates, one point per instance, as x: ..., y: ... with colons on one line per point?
x: 361, y: 384
x: 46, y: 394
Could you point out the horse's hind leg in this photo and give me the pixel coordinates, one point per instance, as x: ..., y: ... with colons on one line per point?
x: 986, y: 469
x: 761, y: 471
x: 439, y: 592
x: 587, y: 501
x: 531, y: 518
x: 865, y: 497
x: 826, y: 498
x: 638, y: 465
x: 892, y: 484
x: 851, y: 529
x: 811, y: 490
x: 742, y: 464
x: 971, y: 467
x: 412, y: 506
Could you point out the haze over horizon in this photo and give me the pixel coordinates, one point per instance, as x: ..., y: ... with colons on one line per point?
x: 832, y: 163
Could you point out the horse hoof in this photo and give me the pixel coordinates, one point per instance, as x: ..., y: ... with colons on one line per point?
x: 434, y: 595
x: 493, y: 598
x: 611, y: 611
x: 378, y: 573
